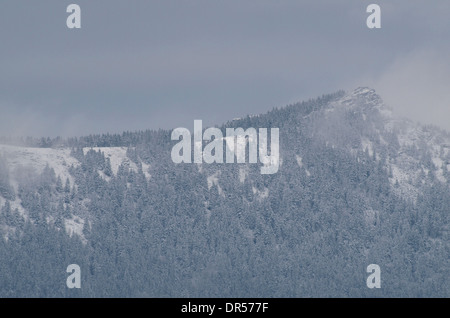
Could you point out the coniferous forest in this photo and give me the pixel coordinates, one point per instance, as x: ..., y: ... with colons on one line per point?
x: 351, y: 190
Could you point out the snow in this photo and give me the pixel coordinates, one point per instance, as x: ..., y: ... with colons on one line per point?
x: 75, y: 226
x: 213, y: 180
x: 118, y: 156
x: 237, y: 143
x: 307, y: 172
x: 37, y: 158
x: 372, y: 217
x: 7, y: 230
x: 438, y: 163
x: 243, y: 174
x: 367, y: 144
x: 412, y: 134
x: 405, y: 171
x: 145, y: 169
x: 248, y: 233
x: 16, y: 204
x: 301, y: 165
x: 409, y: 136
x: 299, y: 161
x: 405, y: 164
x: 398, y: 175
x: 60, y: 160
x: 261, y: 194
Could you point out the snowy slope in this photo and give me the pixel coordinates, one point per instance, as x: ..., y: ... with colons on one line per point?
x: 379, y: 130
x: 61, y: 160
x: 118, y: 156
x: 37, y: 158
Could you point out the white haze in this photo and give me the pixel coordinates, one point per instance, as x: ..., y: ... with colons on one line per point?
x: 417, y: 87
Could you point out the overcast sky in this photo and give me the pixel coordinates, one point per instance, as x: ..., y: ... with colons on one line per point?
x: 161, y: 64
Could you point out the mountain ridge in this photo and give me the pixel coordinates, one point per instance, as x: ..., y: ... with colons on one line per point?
x: 356, y: 186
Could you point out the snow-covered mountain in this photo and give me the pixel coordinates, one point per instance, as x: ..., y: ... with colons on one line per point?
x: 361, y: 120
x: 356, y: 185
x: 358, y: 121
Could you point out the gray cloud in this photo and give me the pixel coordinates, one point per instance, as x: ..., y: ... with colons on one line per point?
x: 152, y: 64
x: 417, y: 86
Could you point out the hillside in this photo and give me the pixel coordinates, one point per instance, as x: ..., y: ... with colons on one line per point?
x: 356, y: 185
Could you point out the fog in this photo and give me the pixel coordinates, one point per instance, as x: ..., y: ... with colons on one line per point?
x: 162, y: 64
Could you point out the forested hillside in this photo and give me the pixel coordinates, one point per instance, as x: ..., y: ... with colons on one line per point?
x: 356, y: 186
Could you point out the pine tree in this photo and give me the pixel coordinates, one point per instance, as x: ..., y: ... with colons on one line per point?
x: 59, y: 186
x: 108, y: 170
x: 67, y: 186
